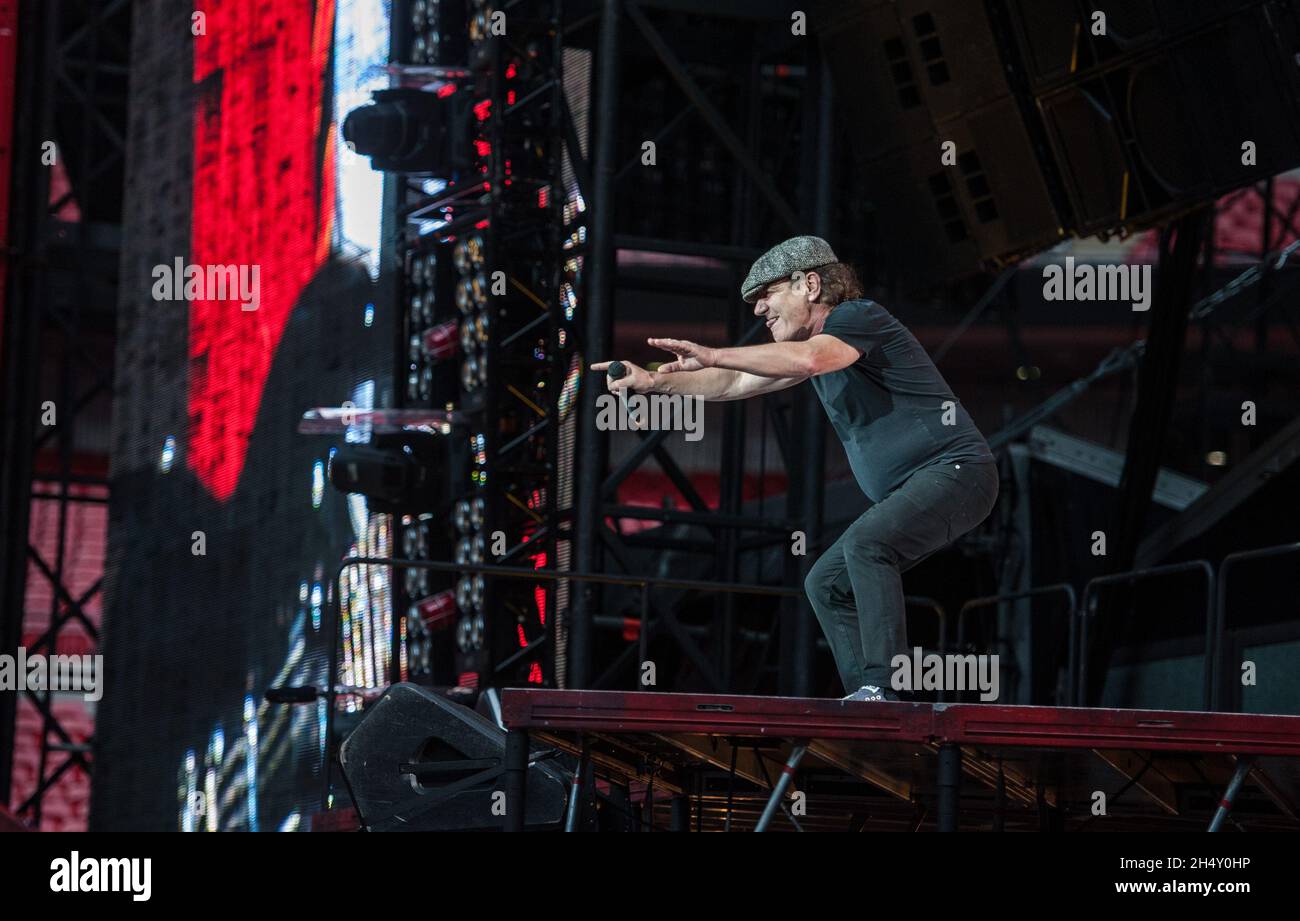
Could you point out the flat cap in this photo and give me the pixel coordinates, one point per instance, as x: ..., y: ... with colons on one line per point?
x: 797, y: 254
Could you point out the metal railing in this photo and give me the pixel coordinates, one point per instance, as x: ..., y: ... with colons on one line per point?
x: 1221, y: 613
x: 1063, y: 588
x: 1085, y: 611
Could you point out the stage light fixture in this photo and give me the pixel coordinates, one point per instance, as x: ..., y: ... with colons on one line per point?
x: 460, y: 256
x: 417, y: 583
x: 411, y: 541
x: 399, y: 474
x: 411, y: 131
x: 568, y: 298
x: 480, y: 25
x: 464, y: 295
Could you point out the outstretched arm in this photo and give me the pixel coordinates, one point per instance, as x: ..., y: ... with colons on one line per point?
x: 714, y: 384
x: 821, y: 354
x: 735, y: 373
x: 720, y: 384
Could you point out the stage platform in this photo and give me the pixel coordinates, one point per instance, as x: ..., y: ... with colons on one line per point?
x: 704, y: 761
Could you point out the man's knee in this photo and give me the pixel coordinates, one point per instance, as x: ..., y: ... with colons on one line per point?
x: 817, y: 584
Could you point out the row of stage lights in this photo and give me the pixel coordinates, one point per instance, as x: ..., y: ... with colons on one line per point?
x: 420, y: 313
x: 430, y: 341
x: 473, y: 300
x: 436, y: 336
x: 477, y: 310
x: 426, y: 20
x: 458, y: 265
x: 435, y: 24
x: 471, y: 547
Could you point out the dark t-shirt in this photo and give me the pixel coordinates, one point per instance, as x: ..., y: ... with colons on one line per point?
x: 888, y: 406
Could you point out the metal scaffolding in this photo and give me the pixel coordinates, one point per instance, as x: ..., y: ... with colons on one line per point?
x: 622, y: 33
x: 59, y: 325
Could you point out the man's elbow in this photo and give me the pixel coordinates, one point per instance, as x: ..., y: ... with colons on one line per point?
x: 811, y: 363
x: 819, y: 362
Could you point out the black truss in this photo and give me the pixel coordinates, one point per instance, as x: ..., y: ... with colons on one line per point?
x: 797, y: 425
x: 59, y: 318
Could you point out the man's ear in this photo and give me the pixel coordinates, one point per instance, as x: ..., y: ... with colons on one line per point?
x: 813, y: 286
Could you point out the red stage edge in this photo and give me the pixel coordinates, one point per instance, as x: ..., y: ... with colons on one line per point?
x: 859, y: 737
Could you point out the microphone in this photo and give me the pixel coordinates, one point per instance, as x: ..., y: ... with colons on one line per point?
x: 290, y: 694
x: 617, y: 370
x: 306, y: 693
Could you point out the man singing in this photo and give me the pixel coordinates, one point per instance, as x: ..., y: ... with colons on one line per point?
x: 913, y: 448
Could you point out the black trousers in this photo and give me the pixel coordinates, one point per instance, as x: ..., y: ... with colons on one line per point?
x: 856, y: 587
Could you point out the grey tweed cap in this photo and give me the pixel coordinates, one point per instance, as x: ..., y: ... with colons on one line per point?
x: 797, y: 254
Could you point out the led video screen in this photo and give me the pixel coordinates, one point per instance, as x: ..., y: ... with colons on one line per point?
x: 252, y: 290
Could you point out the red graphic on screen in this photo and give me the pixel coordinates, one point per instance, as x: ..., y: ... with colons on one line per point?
x: 263, y: 193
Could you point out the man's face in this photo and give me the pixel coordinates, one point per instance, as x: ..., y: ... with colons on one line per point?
x: 788, y: 307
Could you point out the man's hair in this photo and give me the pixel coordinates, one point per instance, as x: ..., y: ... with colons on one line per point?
x: 839, y: 283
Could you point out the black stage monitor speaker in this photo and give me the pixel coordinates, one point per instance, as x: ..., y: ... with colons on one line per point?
x: 411, y: 762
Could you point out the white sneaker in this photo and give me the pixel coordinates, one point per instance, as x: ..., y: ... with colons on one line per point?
x: 870, y: 692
